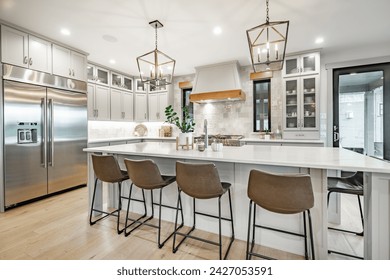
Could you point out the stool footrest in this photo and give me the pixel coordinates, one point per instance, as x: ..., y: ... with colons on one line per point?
x: 280, y: 230
x: 344, y: 254
x: 113, y: 213
x: 212, y: 216
x: 348, y: 231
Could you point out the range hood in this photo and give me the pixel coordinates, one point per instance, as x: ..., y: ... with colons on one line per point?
x: 216, y: 83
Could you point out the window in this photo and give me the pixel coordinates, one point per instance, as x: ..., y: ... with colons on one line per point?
x: 261, y: 105
x: 186, y: 100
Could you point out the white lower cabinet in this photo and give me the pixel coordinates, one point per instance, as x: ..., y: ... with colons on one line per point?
x: 140, y: 107
x: 121, y: 105
x: 98, y: 102
x: 157, y: 102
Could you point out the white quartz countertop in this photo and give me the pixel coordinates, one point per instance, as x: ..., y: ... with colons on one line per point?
x: 258, y: 140
x: 306, y: 157
x: 101, y: 140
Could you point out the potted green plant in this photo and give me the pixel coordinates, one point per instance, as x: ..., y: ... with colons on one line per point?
x: 186, y: 125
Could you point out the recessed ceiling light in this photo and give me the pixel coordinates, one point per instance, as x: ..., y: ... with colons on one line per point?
x: 65, y: 31
x: 319, y: 40
x: 217, y: 30
x: 112, y: 61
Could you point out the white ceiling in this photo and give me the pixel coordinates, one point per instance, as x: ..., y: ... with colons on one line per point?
x: 188, y: 36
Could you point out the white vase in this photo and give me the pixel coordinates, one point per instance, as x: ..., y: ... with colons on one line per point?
x: 183, y: 138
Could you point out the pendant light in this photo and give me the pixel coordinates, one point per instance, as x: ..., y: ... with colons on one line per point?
x: 267, y: 44
x: 155, y: 67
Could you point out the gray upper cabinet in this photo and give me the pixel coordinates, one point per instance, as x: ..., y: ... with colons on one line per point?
x: 24, y: 50
x: 157, y: 102
x: 98, y: 102
x: 121, y: 105
x: 68, y: 63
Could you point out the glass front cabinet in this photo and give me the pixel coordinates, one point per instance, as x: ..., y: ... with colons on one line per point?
x: 301, y: 96
x: 305, y: 64
x: 121, y: 82
x: 98, y: 75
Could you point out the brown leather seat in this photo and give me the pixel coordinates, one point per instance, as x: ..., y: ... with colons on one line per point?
x: 107, y: 170
x: 283, y: 194
x: 146, y: 175
x: 201, y: 181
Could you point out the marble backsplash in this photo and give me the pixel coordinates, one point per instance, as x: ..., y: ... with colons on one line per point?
x: 235, y: 117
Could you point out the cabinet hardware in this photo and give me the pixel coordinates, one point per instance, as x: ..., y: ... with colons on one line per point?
x: 70, y: 72
x: 73, y: 72
x: 30, y: 61
x: 25, y: 60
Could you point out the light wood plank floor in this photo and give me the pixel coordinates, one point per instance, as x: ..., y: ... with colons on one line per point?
x: 57, y: 228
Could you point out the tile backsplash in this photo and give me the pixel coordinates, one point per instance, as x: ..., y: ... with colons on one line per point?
x: 234, y: 117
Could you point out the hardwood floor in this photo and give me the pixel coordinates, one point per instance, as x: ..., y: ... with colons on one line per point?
x: 57, y: 228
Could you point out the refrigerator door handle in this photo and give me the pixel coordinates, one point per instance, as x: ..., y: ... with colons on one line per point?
x: 51, y: 136
x: 44, y: 133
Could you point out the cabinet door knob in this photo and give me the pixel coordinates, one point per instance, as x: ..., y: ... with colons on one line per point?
x: 70, y: 72
x: 30, y: 61
x: 73, y: 72
x: 25, y: 60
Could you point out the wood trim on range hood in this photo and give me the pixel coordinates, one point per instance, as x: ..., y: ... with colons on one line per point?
x: 217, y: 82
x: 218, y: 96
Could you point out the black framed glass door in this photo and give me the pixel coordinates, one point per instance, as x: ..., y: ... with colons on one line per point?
x: 361, y: 109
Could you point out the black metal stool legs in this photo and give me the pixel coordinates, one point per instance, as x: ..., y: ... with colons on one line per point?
x: 219, y: 217
x: 141, y: 222
x: 361, y: 217
x: 252, y: 232
x: 348, y: 231
x: 128, y: 209
x: 311, y: 235
x: 161, y: 244
x: 115, y: 213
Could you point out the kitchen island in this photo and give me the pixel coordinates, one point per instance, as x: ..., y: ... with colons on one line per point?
x: 234, y: 165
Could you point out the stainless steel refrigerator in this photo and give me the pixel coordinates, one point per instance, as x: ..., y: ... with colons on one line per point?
x: 45, y: 130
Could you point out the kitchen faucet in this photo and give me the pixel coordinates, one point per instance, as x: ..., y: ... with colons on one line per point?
x: 206, y: 136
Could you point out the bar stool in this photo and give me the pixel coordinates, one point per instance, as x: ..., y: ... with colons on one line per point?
x: 347, y: 184
x: 282, y: 194
x: 107, y: 170
x: 201, y: 181
x: 146, y: 175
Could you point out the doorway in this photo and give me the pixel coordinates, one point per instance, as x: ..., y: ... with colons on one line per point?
x: 360, y: 98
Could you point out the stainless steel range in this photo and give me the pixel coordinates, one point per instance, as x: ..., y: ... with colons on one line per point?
x: 226, y: 140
